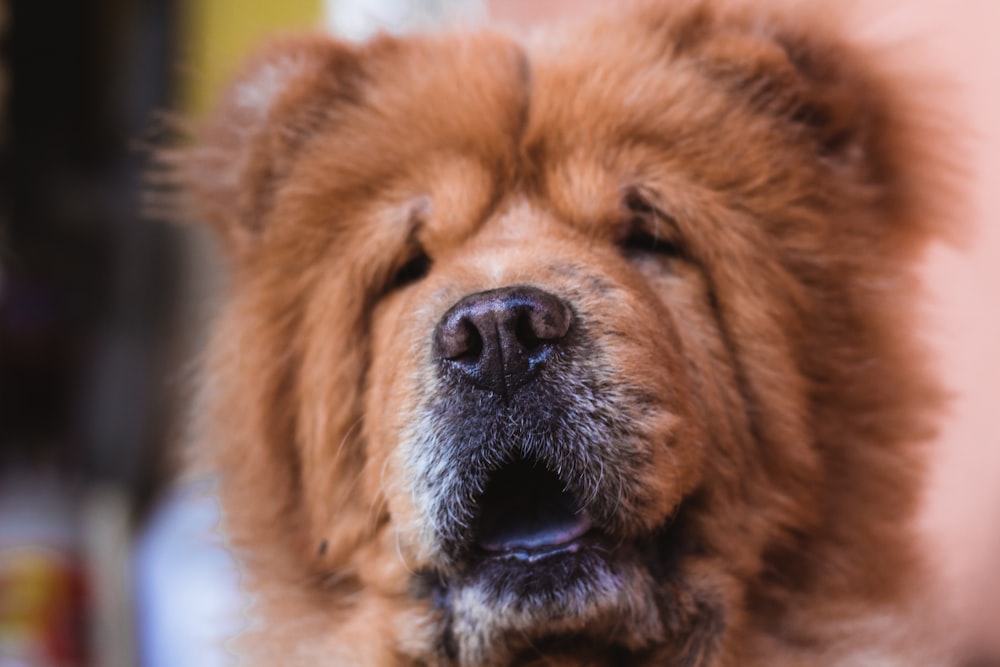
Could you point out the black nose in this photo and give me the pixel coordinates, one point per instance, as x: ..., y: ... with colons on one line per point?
x: 499, y: 339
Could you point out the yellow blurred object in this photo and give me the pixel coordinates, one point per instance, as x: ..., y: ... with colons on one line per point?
x: 218, y: 35
x: 41, y: 612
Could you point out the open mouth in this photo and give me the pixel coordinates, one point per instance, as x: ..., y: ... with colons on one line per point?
x: 526, y: 513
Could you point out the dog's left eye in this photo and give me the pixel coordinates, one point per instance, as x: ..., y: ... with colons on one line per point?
x: 648, y: 231
x: 412, y: 271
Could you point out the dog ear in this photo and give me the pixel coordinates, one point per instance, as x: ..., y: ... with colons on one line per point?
x: 868, y: 113
x: 242, y: 154
x: 786, y: 77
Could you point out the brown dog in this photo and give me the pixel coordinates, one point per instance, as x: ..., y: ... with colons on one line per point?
x: 594, y: 351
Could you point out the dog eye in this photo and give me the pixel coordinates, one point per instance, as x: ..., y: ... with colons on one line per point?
x: 648, y: 230
x: 412, y: 271
x: 641, y: 241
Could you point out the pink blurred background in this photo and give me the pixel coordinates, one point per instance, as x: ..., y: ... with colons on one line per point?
x: 962, y: 516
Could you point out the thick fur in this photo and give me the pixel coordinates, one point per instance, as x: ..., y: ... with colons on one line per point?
x: 742, y: 405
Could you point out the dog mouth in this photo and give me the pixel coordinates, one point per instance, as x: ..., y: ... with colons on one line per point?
x: 540, y: 557
x: 527, y: 513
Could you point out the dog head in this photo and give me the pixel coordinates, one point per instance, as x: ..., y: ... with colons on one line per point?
x: 593, y: 347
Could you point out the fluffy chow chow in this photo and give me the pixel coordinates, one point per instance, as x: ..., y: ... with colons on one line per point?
x: 591, y: 350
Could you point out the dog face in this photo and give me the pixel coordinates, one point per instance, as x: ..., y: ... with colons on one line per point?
x: 591, y: 348
x: 533, y: 474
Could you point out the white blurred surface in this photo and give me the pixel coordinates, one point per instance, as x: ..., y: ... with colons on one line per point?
x: 360, y: 19
x: 188, y: 601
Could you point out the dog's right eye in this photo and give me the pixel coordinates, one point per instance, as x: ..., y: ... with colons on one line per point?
x: 412, y: 271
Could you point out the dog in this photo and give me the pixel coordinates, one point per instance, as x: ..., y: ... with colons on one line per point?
x: 592, y: 349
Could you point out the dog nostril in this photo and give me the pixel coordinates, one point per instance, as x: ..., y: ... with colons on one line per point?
x: 548, y: 322
x: 460, y: 340
x: 526, y: 334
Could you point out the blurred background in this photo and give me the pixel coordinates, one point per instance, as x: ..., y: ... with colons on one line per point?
x: 105, y: 559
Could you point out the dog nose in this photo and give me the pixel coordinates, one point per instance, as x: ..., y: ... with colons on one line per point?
x: 499, y: 339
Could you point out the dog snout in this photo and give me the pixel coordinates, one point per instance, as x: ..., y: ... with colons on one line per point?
x: 500, y: 339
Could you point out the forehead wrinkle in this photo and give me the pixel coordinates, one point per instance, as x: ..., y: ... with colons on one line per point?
x: 460, y: 198
x: 505, y: 176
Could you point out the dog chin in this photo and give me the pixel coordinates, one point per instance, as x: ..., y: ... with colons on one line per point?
x: 509, y: 602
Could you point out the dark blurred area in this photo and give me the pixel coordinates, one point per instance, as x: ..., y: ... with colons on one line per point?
x: 87, y: 302
x: 88, y: 285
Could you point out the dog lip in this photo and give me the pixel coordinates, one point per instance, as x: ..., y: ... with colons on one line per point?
x: 538, y: 554
x: 530, y: 545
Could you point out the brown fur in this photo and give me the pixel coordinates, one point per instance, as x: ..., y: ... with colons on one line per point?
x: 767, y: 377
